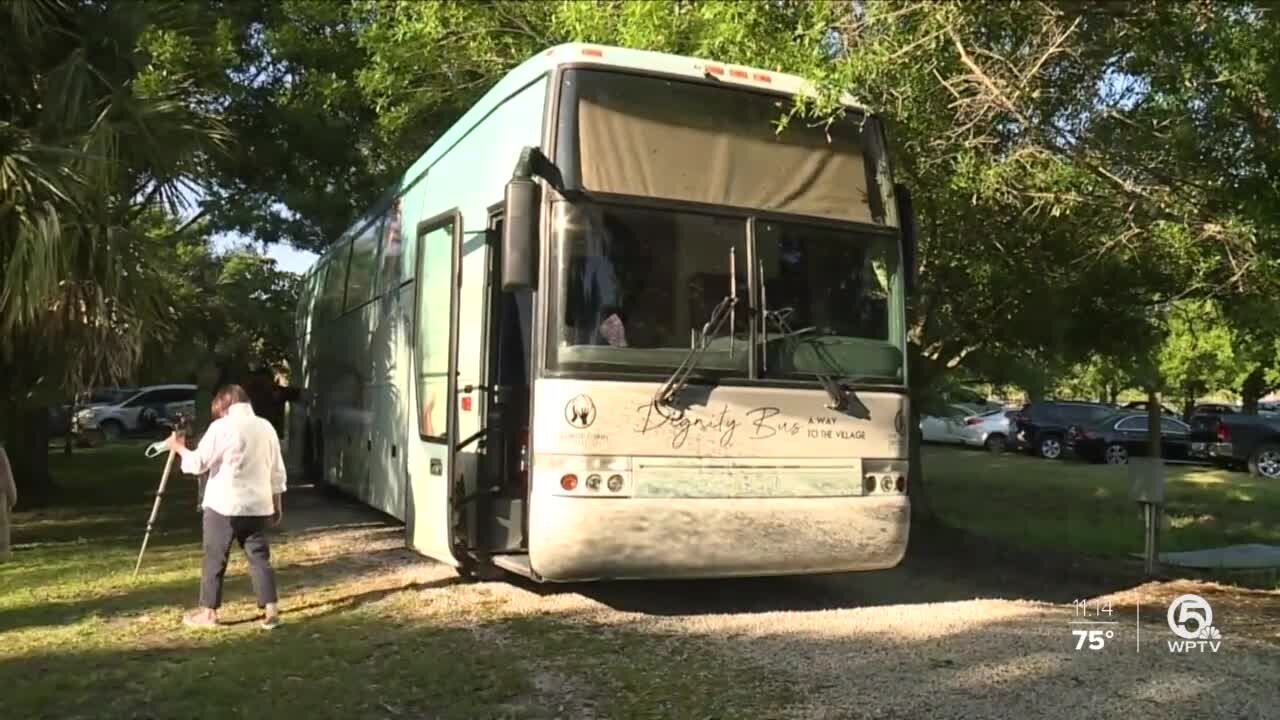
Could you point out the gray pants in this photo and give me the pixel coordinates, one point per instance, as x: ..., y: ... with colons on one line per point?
x: 251, y: 534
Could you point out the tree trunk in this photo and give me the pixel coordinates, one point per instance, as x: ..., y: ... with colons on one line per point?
x: 921, y: 512
x: 28, y: 451
x: 1035, y: 393
x: 208, y: 376
x: 1252, y: 390
x: 920, y: 381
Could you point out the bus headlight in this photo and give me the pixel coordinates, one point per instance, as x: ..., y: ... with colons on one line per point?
x: 593, y: 482
x: 615, y: 483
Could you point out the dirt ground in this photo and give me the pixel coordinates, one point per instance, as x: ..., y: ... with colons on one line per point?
x: 958, y: 631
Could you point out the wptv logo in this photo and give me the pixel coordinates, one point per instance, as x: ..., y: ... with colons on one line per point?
x: 1191, y: 619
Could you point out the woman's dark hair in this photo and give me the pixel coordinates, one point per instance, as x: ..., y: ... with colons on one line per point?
x: 225, y: 397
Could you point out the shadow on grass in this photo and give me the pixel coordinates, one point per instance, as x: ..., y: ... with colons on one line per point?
x: 332, y: 667
x: 124, y: 597
x: 355, y: 601
x: 358, y: 664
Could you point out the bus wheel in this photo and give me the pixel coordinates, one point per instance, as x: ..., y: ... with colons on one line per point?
x: 311, y: 465
x: 319, y: 475
x: 472, y: 569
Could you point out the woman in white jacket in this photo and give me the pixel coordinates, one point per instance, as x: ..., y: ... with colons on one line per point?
x: 8, y: 498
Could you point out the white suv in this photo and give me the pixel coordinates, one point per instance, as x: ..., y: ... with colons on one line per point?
x: 138, y: 411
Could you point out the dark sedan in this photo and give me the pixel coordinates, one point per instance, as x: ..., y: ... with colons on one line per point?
x: 1115, y: 438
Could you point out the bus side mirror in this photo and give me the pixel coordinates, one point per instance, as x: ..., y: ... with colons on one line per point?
x: 520, y: 229
x: 907, y: 221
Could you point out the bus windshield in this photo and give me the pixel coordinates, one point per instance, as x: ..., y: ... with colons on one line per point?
x: 834, y: 291
x: 635, y: 285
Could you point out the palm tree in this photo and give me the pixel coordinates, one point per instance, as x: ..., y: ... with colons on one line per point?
x: 98, y: 138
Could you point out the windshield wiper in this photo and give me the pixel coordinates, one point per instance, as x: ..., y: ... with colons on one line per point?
x: 724, y: 310
x: 836, y: 392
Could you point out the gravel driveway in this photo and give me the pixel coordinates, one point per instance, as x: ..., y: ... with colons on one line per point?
x: 970, y: 658
x: 925, y: 640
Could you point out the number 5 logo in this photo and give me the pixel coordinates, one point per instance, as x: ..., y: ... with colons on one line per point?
x: 1188, y: 615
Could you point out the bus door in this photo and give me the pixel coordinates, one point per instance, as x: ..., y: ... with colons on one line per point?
x: 501, y: 496
x: 429, y: 518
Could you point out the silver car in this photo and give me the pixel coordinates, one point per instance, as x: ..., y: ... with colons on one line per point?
x: 136, y: 411
x: 963, y: 425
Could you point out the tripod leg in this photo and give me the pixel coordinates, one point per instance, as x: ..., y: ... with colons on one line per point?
x: 155, y: 510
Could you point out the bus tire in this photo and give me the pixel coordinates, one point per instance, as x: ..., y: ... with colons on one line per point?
x: 472, y: 569
x: 319, y: 477
x: 310, y: 468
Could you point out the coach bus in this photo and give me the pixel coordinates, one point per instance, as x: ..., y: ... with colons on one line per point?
x: 616, y: 324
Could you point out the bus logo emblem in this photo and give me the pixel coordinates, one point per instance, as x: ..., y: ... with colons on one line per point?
x: 580, y: 412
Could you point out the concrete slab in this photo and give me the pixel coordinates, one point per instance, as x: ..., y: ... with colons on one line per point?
x: 1235, y: 557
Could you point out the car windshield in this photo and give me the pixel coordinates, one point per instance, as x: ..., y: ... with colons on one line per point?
x: 1106, y: 422
x: 107, y: 397
x: 637, y: 285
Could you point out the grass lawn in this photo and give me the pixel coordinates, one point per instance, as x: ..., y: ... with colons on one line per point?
x: 1075, y: 506
x: 374, y: 631
x: 371, y: 630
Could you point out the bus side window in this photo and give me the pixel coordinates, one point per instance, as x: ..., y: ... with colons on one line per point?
x: 392, y: 250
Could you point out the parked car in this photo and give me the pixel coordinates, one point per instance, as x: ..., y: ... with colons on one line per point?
x: 1143, y: 405
x: 963, y: 426
x: 1041, y: 427
x: 1117, y: 437
x: 1210, y: 409
x: 62, y: 415
x: 137, y: 412
x: 1234, y: 440
x: 968, y: 397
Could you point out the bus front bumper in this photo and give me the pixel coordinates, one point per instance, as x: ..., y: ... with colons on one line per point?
x: 584, y: 538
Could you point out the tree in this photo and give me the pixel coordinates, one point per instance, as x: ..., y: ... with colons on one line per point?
x: 1199, y: 353
x: 97, y: 133
x: 1067, y: 158
x: 237, y: 308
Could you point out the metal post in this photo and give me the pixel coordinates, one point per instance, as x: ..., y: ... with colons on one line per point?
x: 1146, y: 476
x: 1151, y: 518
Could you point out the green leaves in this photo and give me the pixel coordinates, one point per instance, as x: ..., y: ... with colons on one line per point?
x: 101, y: 126
x: 1077, y: 167
x: 236, y: 309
